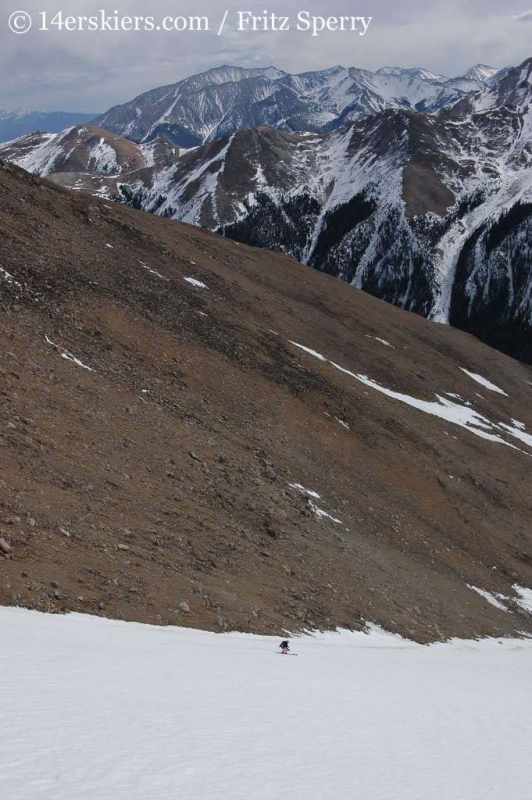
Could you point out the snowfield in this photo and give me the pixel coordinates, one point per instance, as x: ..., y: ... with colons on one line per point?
x: 94, y: 709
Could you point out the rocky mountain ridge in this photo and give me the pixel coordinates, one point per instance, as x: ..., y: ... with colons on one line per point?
x: 222, y: 101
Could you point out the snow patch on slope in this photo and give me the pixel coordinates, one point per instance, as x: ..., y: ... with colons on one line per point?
x: 302, y: 489
x: 41, y: 160
x: 462, y: 415
x: 102, y: 158
x: 484, y: 382
x: 524, y: 598
x: 492, y: 600
x: 319, y: 512
x: 9, y: 278
x: 309, y: 351
x: 455, y: 413
x: 67, y: 355
x: 152, y: 271
x: 196, y: 283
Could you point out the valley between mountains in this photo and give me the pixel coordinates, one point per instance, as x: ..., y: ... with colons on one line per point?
x: 201, y: 433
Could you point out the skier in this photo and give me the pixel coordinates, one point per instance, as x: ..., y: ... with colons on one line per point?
x: 284, y: 647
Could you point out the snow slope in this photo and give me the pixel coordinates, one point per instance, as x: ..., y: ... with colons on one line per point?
x: 94, y: 709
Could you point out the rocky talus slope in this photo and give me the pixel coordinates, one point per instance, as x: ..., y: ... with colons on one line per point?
x: 197, y: 432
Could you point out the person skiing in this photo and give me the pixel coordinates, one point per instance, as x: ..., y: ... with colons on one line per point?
x: 285, y: 648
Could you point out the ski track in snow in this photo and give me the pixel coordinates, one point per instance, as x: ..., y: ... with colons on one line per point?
x: 94, y: 709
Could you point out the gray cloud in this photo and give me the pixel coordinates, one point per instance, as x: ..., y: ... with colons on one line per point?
x: 92, y: 71
x: 526, y: 16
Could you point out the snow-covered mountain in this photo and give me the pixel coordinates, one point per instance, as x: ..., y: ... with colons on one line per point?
x: 17, y: 123
x: 508, y: 87
x: 222, y: 101
x: 481, y: 73
x: 86, y: 149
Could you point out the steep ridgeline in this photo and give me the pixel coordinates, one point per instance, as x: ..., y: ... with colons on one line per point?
x: 222, y: 101
x: 198, y: 432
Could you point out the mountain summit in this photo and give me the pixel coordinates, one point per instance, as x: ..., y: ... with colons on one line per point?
x: 481, y: 73
x: 224, y: 100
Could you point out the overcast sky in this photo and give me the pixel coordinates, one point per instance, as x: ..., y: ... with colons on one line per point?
x: 91, y: 71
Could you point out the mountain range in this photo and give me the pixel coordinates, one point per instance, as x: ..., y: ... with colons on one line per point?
x: 409, y: 185
x: 224, y: 100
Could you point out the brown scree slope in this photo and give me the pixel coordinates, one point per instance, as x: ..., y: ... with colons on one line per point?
x: 162, y: 476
